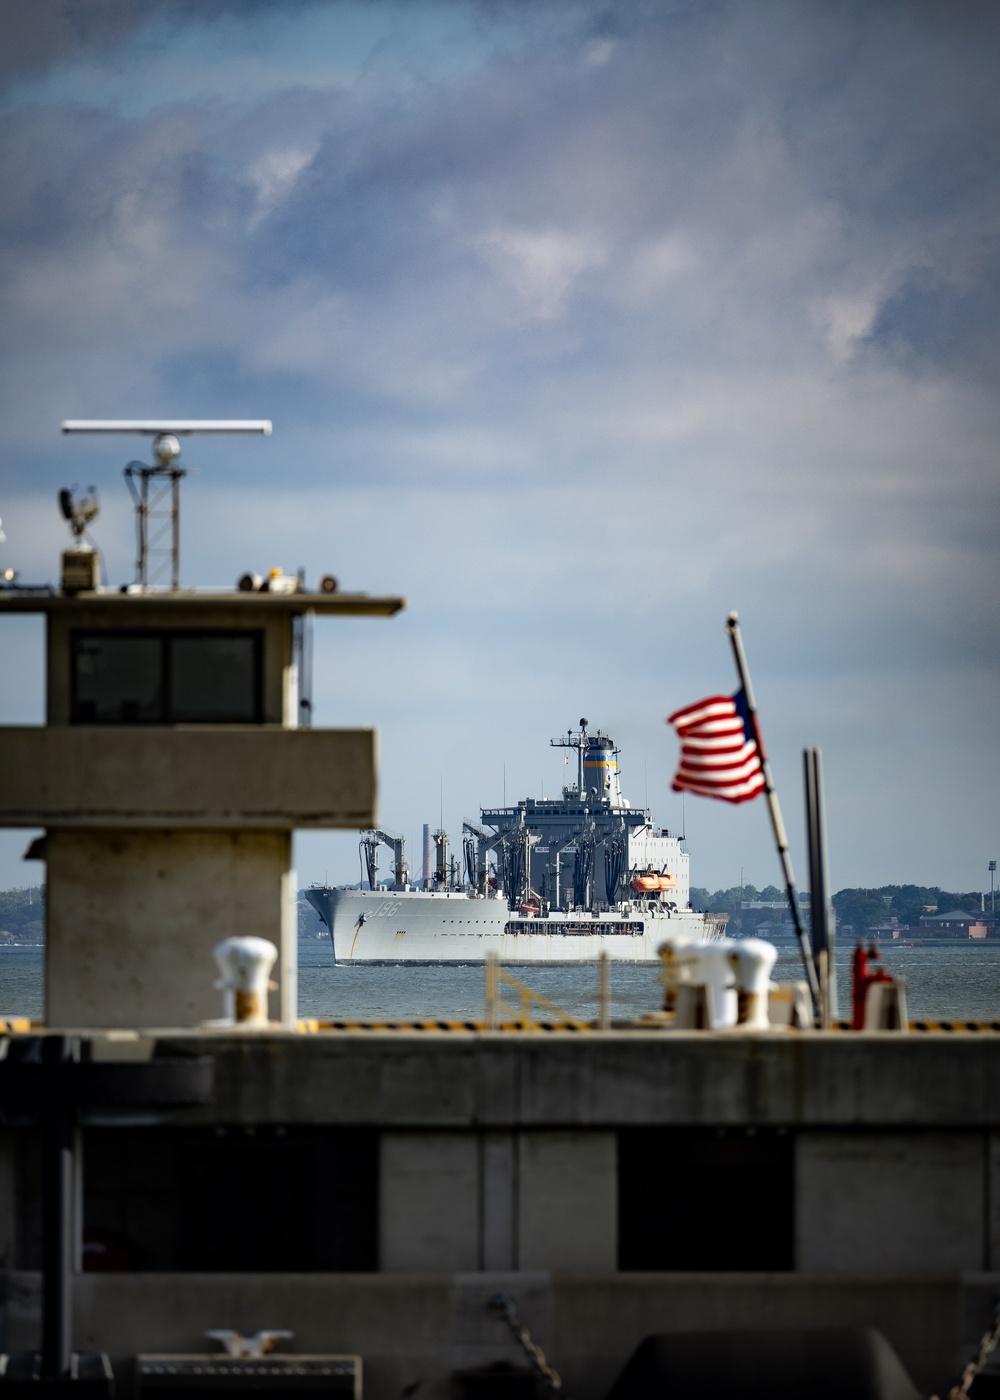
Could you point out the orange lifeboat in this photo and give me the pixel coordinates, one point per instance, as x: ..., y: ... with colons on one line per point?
x: 529, y: 909
x: 651, y: 882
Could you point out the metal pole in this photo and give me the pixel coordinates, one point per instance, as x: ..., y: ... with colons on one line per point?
x: 603, y: 993
x: 491, y: 991
x: 823, y: 937
x: 57, y: 1226
x: 175, y: 529
x: 774, y: 808
x: 143, y: 560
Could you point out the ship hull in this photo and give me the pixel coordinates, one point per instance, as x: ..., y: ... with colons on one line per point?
x: 418, y: 926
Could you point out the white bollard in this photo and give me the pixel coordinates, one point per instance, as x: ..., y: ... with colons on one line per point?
x: 709, y: 965
x: 245, y: 967
x: 753, y: 961
x: 719, y: 984
x: 671, y: 974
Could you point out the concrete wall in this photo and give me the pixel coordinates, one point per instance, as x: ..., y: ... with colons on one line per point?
x: 270, y: 612
x: 419, y: 1329
x: 459, y: 1202
x: 567, y: 1201
x: 914, y: 1201
x: 498, y: 1171
x: 428, y: 1202
x: 502, y: 1080
x: 877, y: 1202
x: 79, y: 776
x: 132, y: 918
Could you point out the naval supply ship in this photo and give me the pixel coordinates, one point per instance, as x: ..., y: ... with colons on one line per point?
x: 547, y: 880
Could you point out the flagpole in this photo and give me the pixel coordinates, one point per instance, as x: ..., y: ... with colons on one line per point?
x: 773, y: 806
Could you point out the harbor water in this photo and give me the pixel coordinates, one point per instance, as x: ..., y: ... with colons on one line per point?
x: 957, y: 982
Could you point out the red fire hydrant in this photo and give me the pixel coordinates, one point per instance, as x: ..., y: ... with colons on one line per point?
x: 866, y: 968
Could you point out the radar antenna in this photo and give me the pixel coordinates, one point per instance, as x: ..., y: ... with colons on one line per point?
x: 578, y: 742
x: 157, y: 497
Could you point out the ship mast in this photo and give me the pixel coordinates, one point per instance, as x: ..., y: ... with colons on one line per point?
x: 578, y: 742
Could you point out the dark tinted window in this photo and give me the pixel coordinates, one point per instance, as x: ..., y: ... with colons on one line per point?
x: 213, y: 678
x: 118, y: 679
x: 205, y: 677
x: 690, y: 1199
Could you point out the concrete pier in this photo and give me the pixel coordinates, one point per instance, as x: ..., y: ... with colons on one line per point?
x: 615, y: 1184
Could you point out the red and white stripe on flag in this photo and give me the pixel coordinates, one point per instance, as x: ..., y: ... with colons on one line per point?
x: 719, y: 755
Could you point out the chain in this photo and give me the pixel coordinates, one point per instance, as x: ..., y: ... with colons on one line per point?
x: 988, y: 1344
x: 504, y: 1303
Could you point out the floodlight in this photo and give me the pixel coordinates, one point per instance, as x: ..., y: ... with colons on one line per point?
x: 79, y: 510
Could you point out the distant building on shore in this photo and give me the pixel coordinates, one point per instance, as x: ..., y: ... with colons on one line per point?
x: 762, y: 918
x: 957, y: 923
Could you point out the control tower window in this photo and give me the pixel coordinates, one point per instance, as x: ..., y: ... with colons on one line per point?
x: 213, y: 678
x: 153, y: 677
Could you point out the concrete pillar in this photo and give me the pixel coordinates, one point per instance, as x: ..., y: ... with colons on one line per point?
x: 132, y: 918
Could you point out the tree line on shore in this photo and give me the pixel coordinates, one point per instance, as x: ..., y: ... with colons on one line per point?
x: 22, y: 915
x: 861, y: 909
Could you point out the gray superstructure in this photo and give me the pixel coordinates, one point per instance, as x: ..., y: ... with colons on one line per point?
x: 582, y: 850
x: 545, y: 880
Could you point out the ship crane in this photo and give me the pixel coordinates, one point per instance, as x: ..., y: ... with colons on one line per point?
x: 477, y: 857
x: 370, y: 842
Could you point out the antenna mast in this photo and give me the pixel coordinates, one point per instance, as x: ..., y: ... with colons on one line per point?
x: 578, y: 742
x: 157, y: 486
x: 157, y: 497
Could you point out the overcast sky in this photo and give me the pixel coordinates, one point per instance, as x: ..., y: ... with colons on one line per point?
x: 579, y: 324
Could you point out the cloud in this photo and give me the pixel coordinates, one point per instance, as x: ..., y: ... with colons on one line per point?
x: 579, y: 341
x: 273, y: 175
x: 541, y: 267
x: 42, y: 34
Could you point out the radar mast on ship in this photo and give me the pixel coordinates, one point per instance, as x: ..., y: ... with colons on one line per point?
x: 597, y: 766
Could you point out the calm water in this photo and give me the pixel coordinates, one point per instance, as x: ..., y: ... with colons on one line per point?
x: 943, y: 983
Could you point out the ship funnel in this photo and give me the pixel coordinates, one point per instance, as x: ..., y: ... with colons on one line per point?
x: 600, y: 770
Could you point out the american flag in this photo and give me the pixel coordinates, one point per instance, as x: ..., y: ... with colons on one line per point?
x: 719, y: 754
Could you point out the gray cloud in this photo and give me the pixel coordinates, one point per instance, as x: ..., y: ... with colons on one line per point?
x: 41, y: 34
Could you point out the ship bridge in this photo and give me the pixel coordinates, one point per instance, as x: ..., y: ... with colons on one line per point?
x: 577, y: 851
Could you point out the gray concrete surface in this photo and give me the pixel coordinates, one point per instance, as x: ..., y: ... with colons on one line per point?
x: 906, y: 1202
x: 567, y: 1201
x: 191, y: 776
x: 271, y: 612
x: 429, y: 1202
x: 603, y: 1079
x: 471, y: 1201
x: 498, y: 1170
x: 419, y: 1328
x: 135, y: 948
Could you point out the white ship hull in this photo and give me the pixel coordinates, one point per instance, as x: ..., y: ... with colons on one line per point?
x: 422, y: 926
